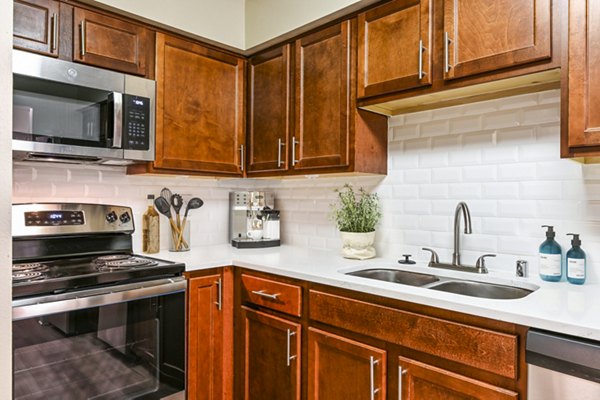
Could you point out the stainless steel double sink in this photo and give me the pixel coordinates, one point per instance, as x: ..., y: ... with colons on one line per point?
x: 444, y: 284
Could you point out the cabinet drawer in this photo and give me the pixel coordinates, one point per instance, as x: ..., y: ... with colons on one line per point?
x: 275, y: 295
x: 476, y: 347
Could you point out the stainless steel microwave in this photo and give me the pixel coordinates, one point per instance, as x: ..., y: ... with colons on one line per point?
x: 68, y: 112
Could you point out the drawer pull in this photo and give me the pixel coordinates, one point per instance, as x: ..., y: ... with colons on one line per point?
x: 54, y: 33
x: 82, y: 32
x: 262, y: 293
x: 219, y: 302
x: 422, y: 49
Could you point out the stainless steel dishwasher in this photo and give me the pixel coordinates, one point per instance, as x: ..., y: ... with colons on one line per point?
x: 562, y: 367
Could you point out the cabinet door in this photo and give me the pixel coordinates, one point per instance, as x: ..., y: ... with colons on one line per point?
x: 342, y: 369
x: 199, y: 108
x: 109, y: 43
x: 394, y: 47
x: 36, y: 24
x: 268, y: 110
x: 209, y: 340
x: 323, y: 98
x: 271, y: 357
x: 487, y: 35
x: 584, y: 73
x: 419, y: 381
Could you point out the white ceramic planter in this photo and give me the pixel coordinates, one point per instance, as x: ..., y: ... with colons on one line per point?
x: 358, y: 245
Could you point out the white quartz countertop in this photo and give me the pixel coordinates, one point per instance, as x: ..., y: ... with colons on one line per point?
x: 559, y: 307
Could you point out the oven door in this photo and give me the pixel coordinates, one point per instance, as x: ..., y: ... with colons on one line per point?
x: 127, y: 342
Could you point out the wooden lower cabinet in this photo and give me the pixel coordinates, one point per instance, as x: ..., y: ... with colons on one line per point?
x: 418, y: 381
x: 341, y: 368
x: 271, y: 357
x: 210, y: 336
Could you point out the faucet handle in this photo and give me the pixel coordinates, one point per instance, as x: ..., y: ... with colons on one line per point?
x: 434, y: 257
x: 480, y: 264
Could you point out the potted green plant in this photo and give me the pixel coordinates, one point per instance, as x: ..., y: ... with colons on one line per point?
x: 356, y: 214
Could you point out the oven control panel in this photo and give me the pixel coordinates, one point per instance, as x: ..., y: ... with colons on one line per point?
x: 55, y: 217
x: 37, y: 219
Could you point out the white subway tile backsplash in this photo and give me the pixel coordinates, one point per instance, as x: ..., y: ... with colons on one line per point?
x: 434, y: 128
x: 479, y: 140
x: 541, y: 190
x: 403, y: 132
x: 434, y: 223
x: 433, y: 159
x: 517, y: 208
x: 539, y: 151
x: 417, y: 207
x: 465, y: 191
x: 446, y: 175
x: 445, y: 143
x: 465, y: 157
x: 433, y: 191
x: 500, y: 190
x: 417, y: 176
x: 518, y: 102
x: 418, y: 117
x: 500, y: 226
x: 517, y: 172
x: 541, y: 114
x: 465, y: 124
x: 559, y: 169
x: 501, y: 119
x: 515, y: 136
x: 499, y: 155
x: 479, y: 173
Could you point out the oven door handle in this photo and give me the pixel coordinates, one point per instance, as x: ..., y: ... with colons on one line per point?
x: 37, y: 307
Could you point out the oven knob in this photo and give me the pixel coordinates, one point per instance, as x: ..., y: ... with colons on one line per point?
x: 125, y: 217
x: 111, y: 217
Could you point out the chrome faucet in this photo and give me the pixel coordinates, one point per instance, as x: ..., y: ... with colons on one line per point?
x: 460, y: 207
x: 479, y: 268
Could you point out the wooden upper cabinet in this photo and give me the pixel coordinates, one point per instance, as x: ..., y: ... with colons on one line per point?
x: 323, y: 107
x: 271, y: 357
x: 109, y: 42
x: 36, y: 26
x: 422, y: 381
x: 583, y: 95
x: 394, y: 47
x: 199, y: 108
x: 269, y: 110
x: 488, y: 35
x: 340, y: 368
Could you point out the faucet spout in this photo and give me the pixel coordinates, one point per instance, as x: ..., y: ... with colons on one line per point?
x: 461, y: 207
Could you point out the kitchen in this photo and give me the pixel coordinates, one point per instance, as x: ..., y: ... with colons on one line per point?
x: 501, y: 156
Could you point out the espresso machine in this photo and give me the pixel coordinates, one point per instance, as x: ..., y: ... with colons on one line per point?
x: 253, y: 220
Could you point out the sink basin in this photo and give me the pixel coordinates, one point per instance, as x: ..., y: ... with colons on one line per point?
x: 396, y: 276
x: 481, y: 289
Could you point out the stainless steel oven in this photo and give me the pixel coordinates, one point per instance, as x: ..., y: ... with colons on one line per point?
x: 91, y: 320
x: 63, y: 111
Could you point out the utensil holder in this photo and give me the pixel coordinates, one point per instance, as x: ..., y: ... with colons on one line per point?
x: 180, y: 244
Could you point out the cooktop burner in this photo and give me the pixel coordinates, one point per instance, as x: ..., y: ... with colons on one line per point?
x: 122, y: 262
x: 75, y: 273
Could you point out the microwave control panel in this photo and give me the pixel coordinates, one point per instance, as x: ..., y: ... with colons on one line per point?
x: 136, y: 122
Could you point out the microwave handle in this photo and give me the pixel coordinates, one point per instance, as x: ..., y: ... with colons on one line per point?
x: 117, y: 120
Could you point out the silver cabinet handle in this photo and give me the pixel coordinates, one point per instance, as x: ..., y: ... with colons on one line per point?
x: 289, y: 359
x: 280, y: 144
x: 262, y: 293
x: 447, y: 42
x: 219, y: 301
x: 54, y: 33
x: 242, y: 158
x: 294, y: 143
x: 82, y: 31
x: 374, y: 390
x: 401, y: 371
x: 421, y: 51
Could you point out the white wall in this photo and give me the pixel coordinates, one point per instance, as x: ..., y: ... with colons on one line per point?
x: 221, y: 20
x: 266, y: 19
x: 500, y: 156
x: 5, y: 198
x: 110, y: 185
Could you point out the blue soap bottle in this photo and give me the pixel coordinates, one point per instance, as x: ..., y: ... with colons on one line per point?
x: 576, y: 261
x: 550, y: 257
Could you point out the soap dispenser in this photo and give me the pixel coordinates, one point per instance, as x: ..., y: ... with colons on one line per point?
x: 550, y: 257
x: 575, y: 261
